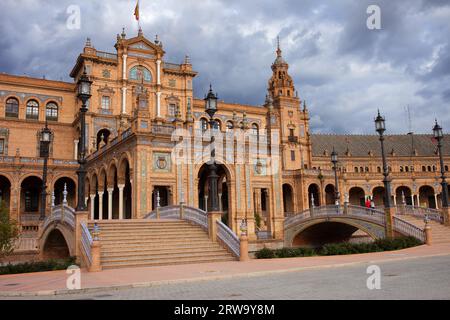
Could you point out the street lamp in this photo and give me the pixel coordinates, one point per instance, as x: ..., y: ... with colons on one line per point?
x: 438, y: 135
x: 45, y: 137
x: 84, y: 93
x: 211, y: 109
x: 334, y: 160
x: 380, y: 127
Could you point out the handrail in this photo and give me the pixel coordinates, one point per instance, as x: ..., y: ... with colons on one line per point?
x: 409, y: 229
x: 194, y: 215
x: 228, y: 237
x: 61, y: 213
x: 86, y: 241
x: 420, y: 212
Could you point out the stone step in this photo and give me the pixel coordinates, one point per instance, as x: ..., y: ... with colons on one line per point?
x: 205, y: 246
x: 143, y: 254
x: 155, y: 238
x: 147, y: 228
x: 178, y: 261
x: 181, y: 255
x: 151, y: 243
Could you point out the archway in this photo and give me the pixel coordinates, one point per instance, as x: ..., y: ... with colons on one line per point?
x: 323, y: 233
x: 357, y: 196
x: 164, y: 196
x: 314, y: 193
x: 102, y: 138
x: 30, y: 192
x: 5, y: 191
x: 426, y: 197
x: 58, y: 189
x: 406, y: 192
x: 55, y: 246
x: 288, y: 199
x: 330, y: 194
x: 223, y: 184
x: 378, y: 196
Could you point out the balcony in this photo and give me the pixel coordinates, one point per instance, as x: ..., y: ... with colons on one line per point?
x: 293, y: 139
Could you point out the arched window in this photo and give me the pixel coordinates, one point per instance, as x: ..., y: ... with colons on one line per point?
x: 255, y: 129
x: 446, y: 168
x: 356, y: 169
x: 379, y: 169
x: 407, y: 169
x: 434, y: 168
x: 229, y: 126
x: 424, y: 168
x: 217, y: 124
x: 429, y: 168
x: 139, y: 72
x: 401, y: 168
x: 203, y: 124
x: 12, y: 108
x: 51, y: 111
x: 32, y: 110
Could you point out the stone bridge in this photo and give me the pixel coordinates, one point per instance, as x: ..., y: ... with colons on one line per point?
x: 325, y: 224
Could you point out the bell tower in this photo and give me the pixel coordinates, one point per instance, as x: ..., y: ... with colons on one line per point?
x: 293, y: 119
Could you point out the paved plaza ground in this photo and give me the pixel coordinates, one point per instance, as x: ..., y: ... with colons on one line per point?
x: 318, y: 277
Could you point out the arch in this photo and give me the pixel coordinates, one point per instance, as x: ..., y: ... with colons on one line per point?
x: 203, y: 188
x: 314, y: 193
x: 57, y: 239
x: 204, y: 124
x: 30, y: 191
x: 427, y: 197
x: 378, y: 196
x: 229, y: 126
x: 218, y: 124
x: 357, y: 196
x: 58, y: 189
x: 32, y: 109
x: 321, y: 233
x: 330, y: 194
x: 111, y: 172
x: 288, y: 198
x: 5, y: 191
x: 12, y: 107
x: 403, y: 190
x: 51, y: 111
x: 139, y: 72
x: 103, y: 136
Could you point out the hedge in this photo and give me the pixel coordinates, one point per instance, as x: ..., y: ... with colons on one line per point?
x: 38, y: 266
x: 340, y: 248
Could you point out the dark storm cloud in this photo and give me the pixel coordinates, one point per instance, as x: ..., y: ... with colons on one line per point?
x: 342, y: 69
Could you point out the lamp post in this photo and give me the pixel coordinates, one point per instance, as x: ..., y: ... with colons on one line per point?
x: 334, y: 160
x: 84, y: 93
x: 380, y: 127
x: 438, y: 135
x: 45, y: 137
x: 211, y: 109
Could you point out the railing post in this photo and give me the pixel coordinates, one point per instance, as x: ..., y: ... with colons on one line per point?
x: 80, y: 217
x: 181, y: 210
x: 446, y: 215
x: 213, y: 216
x: 243, y: 242
x: 95, y: 251
x: 428, y: 237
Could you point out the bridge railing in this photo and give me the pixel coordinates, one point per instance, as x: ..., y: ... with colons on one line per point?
x: 86, y: 242
x: 409, y: 229
x: 420, y: 212
x: 62, y: 214
x: 228, y: 237
x: 200, y: 218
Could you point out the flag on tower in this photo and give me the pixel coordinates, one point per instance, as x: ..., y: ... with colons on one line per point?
x: 136, y: 11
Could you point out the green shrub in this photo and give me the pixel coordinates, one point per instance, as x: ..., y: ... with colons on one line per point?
x: 332, y: 249
x: 265, y: 253
x: 38, y: 266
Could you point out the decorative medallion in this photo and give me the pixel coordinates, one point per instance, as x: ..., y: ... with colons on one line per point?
x: 161, y: 162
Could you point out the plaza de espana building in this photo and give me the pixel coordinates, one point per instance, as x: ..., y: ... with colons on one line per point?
x: 139, y: 100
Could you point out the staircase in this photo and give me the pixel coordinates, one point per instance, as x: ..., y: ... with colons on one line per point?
x: 142, y: 243
x: 439, y: 232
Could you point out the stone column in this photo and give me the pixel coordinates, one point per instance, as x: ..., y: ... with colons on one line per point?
x: 110, y: 200
x: 124, y: 67
x: 158, y: 72
x: 75, y: 149
x: 124, y: 100
x: 418, y: 200
x: 100, y: 205
x: 395, y: 200
x: 436, y: 201
x: 158, y: 104
x: 92, y: 206
x: 121, y: 187
x: 412, y: 199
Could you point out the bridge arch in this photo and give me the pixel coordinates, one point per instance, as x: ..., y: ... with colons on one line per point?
x: 57, y: 241
x: 317, y: 231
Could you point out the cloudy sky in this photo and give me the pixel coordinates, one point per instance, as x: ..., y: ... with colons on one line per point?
x: 341, y: 68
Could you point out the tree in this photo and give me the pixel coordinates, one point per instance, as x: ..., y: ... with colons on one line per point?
x: 9, y: 232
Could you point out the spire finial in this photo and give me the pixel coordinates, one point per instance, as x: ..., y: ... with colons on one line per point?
x: 88, y: 42
x: 278, y: 47
x: 140, y: 33
x: 123, y: 33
